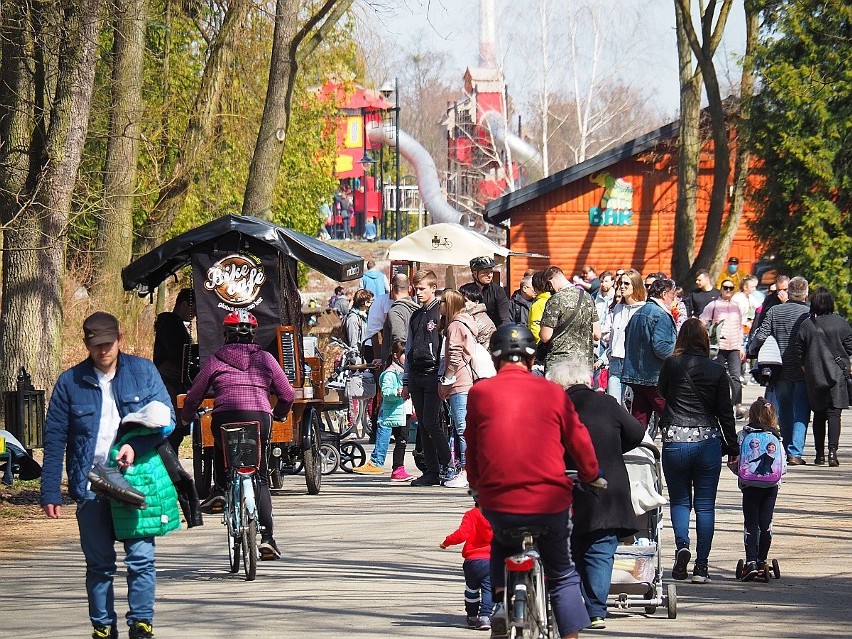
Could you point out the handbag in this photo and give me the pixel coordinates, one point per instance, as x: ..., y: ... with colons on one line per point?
x: 481, y: 365
x: 361, y: 386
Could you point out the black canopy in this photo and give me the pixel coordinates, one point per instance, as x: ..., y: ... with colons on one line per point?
x: 171, y: 256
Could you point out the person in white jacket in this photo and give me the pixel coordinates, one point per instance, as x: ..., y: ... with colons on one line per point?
x: 633, y: 295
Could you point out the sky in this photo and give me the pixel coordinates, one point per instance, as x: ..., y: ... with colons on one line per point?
x: 637, y: 41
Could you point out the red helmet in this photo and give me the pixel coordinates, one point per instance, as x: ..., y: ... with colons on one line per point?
x: 240, y: 323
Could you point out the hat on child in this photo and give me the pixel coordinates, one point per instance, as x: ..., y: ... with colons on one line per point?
x: 152, y: 415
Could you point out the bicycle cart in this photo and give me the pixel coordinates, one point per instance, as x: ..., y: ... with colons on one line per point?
x: 240, y: 262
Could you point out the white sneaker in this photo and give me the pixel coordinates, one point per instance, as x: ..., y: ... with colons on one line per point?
x: 459, y: 481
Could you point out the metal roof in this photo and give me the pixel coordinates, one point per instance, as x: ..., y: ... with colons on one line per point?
x: 500, y: 209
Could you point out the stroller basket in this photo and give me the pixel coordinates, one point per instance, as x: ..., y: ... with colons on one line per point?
x: 241, y: 444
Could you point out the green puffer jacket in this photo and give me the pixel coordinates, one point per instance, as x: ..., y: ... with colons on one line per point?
x: 148, y: 475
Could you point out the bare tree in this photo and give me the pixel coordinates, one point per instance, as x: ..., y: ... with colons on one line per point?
x: 47, y: 75
x: 114, y: 243
x: 293, y: 42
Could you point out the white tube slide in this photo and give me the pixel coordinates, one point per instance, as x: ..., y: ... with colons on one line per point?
x: 522, y: 152
x: 424, y: 168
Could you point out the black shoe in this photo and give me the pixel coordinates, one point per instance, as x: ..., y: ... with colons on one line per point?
x: 104, y: 632
x: 427, y: 479
x: 269, y: 550
x: 699, y: 575
x: 109, y: 482
x: 750, y: 571
x: 682, y: 557
x: 215, y: 503
x: 141, y: 630
x: 832, y: 457
x: 819, y: 459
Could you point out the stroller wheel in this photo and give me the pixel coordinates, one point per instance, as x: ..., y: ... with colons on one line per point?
x: 776, y: 569
x: 671, y: 601
x: 739, y: 571
x: 765, y: 574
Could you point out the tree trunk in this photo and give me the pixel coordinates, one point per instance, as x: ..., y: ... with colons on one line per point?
x: 199, y: 131
x: 35, y: 232
x: 742, y: 157
x: 689, y: 149
x: 269, y: 148
x: 115, y: 227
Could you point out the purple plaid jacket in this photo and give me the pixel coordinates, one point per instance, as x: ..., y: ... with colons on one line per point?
x: 242, y: 377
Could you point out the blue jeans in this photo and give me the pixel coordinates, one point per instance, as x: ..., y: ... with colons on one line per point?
x: 613, y: 387
x: 790, y: 400
x: 97, y: 539
x: 458, y: 411
x: 594, y: 555
x: 477, y: 587
x: 380, y: 452
x: 692, y: 475
x: 562, y: 579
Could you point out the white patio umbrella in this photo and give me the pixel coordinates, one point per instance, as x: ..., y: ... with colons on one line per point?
x: 445, y: 243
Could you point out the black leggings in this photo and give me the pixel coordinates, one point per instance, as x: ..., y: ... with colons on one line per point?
x: 758, y: 507
x: 832, y: 416
x: 264, y: 497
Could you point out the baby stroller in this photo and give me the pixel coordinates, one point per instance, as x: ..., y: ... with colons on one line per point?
x: 637, y: 573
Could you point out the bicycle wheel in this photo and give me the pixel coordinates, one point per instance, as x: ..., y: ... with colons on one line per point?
x: 312, y: 458
x: 352, y: 455
x: 249, y: 541
x: 234, y: 541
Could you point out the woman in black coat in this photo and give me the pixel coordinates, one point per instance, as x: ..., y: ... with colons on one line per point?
x: 601, y: 518
x: 698, y: 428
x: 824, y: 346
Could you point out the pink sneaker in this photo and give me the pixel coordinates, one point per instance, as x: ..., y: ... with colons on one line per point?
x: 399, y: 474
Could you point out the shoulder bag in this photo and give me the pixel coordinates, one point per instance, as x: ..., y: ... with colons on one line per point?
x: 543, y: 348
x: 481, y: 365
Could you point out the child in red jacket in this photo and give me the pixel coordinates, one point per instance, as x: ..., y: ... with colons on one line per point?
x: 475, y: 532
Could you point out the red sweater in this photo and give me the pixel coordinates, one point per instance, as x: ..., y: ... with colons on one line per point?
x: 519, y: 427
x: 475, y: 532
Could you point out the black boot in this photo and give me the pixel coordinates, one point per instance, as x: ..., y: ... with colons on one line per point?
x: 832, y: 457
x: 819, y: 459
x: 184, y: 485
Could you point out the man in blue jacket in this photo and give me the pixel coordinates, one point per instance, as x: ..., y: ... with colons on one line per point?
x: 82, y: 427
x: 648, y: 340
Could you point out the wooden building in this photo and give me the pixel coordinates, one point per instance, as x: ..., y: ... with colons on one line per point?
x: 615, y: 210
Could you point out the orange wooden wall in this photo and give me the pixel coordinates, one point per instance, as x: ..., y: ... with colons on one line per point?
x: 557, y: 223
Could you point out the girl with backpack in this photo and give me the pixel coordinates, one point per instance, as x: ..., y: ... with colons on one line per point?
x: 761, y: 464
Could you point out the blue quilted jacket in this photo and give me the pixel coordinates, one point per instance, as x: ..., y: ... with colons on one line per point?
x: 73, y: 419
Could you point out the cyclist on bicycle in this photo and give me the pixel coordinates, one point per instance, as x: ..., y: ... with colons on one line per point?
x: 242, y: 376
x: 520, y: 427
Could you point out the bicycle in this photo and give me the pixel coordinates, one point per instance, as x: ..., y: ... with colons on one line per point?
x: 241, y: 443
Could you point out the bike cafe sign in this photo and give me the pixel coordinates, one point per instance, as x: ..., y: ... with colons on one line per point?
x: 236, y: 280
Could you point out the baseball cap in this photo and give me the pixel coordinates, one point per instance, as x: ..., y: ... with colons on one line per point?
x: 733, y: 260
x: 153, y: 415
x: 100, y: 328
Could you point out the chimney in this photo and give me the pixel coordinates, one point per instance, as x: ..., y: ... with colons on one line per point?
x: 487, y: 35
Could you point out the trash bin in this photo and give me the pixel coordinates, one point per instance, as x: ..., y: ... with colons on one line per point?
x: 25, y: 412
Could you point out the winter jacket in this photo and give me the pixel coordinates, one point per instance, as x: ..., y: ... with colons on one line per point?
x: 495, y: 299
x: 519, y: 308
x: 393, y: 405
x: 648, y: 340
x: 242, y: 377
x: 614, y: 431
x: 782, y: 322
x: 424, y: 341
x: 73, y: 420
x: 148, y: 475
x: 376, y: 282
x: 475, y: 532
x: 825, y: 381
x: 396, y: 324
x: 458, y: 351
x: 713, y: 410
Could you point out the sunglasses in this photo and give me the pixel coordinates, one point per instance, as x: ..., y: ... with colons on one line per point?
x: 625, y: 283
x: 727, y: 288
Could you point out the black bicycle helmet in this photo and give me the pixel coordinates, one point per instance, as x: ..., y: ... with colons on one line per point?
x: 513, y: 342
x: 482, y: 263
x: 240, y: 324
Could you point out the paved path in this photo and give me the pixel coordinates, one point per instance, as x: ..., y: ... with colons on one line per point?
x: 362, y: 559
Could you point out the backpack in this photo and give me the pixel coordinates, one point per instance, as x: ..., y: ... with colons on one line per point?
x: 481, y: 364
x: 762, y: 459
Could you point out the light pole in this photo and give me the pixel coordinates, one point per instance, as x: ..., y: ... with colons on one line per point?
x: 386, y: 91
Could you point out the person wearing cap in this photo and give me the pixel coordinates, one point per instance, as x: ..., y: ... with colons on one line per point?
x: 732, y: 272
x: 493, y: 295
x: 88, y: 403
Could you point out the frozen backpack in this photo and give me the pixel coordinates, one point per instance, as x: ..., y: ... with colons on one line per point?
x: 762, y: 459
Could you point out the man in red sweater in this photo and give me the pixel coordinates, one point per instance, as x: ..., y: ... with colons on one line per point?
x: 520, y: 427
